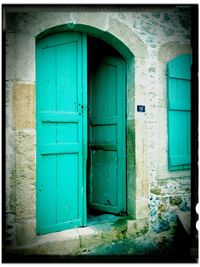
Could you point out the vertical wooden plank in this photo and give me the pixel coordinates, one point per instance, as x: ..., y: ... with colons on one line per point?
x: 67, y: 76
x: 48, y: 179
x: 121, y: 131
x: 48, y: 75
x: 85, y: 127
x: 67, y: 188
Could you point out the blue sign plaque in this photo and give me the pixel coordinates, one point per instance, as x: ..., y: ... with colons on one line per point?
x: 140, y: 108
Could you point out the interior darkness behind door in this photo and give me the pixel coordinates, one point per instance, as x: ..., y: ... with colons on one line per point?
x: 106, y: 129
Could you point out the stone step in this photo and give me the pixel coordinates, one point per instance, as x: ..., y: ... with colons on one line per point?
x: 101, y: 230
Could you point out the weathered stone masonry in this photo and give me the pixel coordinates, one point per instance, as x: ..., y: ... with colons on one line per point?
x: 154, y: 36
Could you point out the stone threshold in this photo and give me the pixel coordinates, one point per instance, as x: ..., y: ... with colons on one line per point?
x: 100, y: 230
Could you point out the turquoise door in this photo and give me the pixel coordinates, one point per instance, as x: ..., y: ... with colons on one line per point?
x: 107, y: 136
x: 61, y: 78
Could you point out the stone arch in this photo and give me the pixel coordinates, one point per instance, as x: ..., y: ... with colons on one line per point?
x: 118, y: 37
x: 172, y: 49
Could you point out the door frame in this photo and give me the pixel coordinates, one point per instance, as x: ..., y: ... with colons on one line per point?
x: 129, y: 58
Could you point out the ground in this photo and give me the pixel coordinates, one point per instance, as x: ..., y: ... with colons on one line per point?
x: 107, y: 238
x: 151, y: 247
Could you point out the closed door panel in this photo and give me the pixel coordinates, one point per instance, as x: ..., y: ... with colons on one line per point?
x: 61, y: 132
x: 107, y: 172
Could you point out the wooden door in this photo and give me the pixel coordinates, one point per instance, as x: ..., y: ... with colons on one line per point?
x: 61, y: 132
x: 107, y: 136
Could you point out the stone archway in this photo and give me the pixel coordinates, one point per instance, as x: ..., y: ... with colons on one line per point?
x: 133, y: 51
x: 127, y: 43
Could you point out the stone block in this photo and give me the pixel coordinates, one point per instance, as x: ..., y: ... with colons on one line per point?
x: 68, y: 234
x: 10, y: 49
x: 23, y: 106
x: 127, y: 36
x: 94, y: 19
x: 59, y: 243
x: 142, y: 209
x: 160, y: 226
x: 8, y: 103
x: 25, y: 58
x: 171, y: 49
x: 136, y: 228
x: 64, y: 247
x: 25, y: 175
x: 131, y: 183
x: 10, y: 147
x: 131, y: 227
x: 142, y: 83
x: 89, y: 237
x: 25, y: 233
x: 175, y: 200
x: 155, y: 190
x: 162, y: 207
x: 10, y: 229
x: 141, y: 159
x: 32, y: 23
x: 57, y: 248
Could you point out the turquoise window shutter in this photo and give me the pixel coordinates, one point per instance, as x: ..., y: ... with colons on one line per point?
x: 179, y: 112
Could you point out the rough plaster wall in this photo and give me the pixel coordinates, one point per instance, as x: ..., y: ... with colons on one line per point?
x: 156, y: 28
x: 165, y: 34
x: 157, y: 36
x: 20, y: 128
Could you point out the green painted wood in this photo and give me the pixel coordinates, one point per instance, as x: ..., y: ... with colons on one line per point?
x: 104, y: 121
x: 83, y: 210
x: 61, y: 86
x: 103, y: 146
x: 59, y: 117
x: 180, y: 67
x: 107, y: 145
x: 179, y: 109
x: 61, y: 148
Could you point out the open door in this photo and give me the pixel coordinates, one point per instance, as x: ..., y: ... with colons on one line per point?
x: 107, y: 135
x: 61, y: 85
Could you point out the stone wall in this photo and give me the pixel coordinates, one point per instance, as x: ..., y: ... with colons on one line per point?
x: 154, y: 36
x: 166, y: 198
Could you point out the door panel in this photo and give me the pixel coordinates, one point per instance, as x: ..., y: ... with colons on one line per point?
x: 61, y: 132
x: 107, y: 175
